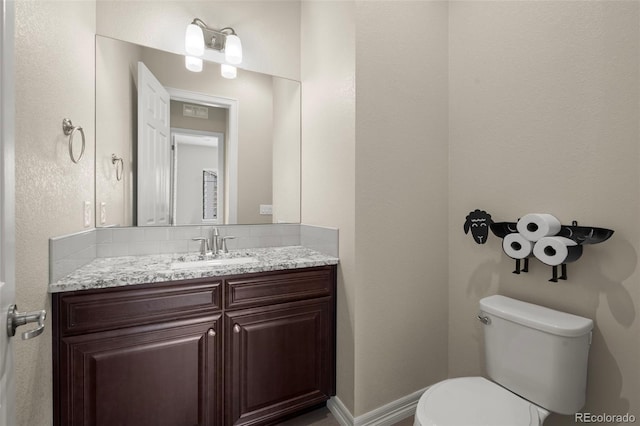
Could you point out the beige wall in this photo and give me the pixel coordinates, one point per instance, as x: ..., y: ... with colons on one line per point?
x: 116, y: 129
x: 544, y: 112
x: 328, y: 155
x: 286, y: 151
x: 401, y: 199
x: 54, y: 58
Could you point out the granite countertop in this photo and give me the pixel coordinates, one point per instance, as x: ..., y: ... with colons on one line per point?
x: 130, y: 270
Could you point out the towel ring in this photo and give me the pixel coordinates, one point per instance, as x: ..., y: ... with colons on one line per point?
x: 119, y: 163
x: 69, y: 129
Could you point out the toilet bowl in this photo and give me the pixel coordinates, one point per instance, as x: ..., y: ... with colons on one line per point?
x: 466, y: 401
x: 536, y: 363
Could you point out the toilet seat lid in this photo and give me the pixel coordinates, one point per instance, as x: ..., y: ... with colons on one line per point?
x: 474, y: 401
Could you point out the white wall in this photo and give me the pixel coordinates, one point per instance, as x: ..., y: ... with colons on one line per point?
x: 544, y: 112
x: 54, y: 80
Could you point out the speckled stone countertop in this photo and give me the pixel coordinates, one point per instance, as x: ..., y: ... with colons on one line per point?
x: 130, y: 270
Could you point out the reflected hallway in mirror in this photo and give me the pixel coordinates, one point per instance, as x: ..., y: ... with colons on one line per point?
x: 257, y: 121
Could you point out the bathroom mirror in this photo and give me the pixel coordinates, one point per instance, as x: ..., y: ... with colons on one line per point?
x: 233, y: 149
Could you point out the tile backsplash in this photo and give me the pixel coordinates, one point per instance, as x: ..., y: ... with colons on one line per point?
x: 70, y: 252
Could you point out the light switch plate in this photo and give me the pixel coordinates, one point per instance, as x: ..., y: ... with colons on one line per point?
x: 103, y: 213
x: 266, y: 209
x: 87, y: 214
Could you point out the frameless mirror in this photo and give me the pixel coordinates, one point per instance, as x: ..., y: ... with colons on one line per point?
x: 228, y: 151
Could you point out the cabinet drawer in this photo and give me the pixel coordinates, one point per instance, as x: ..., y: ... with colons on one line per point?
x: 266, y: 289
x: 112, y: 308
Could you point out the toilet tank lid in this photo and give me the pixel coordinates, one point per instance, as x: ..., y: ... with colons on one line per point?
x: 535, y: 316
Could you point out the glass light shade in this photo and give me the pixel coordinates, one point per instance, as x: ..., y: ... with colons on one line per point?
x: 228, y: 71
x: 193, y: 64
x: 194, y: 40
x: 233, y: 49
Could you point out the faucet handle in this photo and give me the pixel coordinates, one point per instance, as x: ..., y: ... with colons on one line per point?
x: 215, y: 240
x: 224, y: 243
x: 204, y: 245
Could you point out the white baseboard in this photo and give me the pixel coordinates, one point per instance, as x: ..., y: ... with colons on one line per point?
x: 340, y: 412
x: 386, y: 415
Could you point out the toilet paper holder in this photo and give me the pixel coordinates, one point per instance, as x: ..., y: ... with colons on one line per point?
x: 580, y: 235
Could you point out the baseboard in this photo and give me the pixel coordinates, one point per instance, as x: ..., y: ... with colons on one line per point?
x: 386, y: 415
x: 340, y: 412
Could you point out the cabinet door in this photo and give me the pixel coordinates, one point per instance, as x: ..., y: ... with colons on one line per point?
x: 278, y: 360
x: 166, y: 374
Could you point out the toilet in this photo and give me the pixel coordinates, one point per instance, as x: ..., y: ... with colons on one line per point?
x: 536, y: 363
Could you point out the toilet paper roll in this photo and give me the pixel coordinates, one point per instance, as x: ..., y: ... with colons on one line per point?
x: 557, y: 250
x: 516, y: 246
x: 534, y: 226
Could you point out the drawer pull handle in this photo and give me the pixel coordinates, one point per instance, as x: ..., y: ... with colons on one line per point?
x: 212, y: 332
x: 236, y: 328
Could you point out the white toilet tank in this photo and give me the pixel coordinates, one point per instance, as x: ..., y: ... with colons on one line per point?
x: 536, y: 352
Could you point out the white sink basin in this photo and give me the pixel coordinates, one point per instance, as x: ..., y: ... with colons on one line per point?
x: 213, y: 263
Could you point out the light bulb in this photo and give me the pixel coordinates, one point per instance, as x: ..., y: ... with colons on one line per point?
x: 194, y: 40
x: 228, y: 71
x: 193, y: 64
x: 233, y: 49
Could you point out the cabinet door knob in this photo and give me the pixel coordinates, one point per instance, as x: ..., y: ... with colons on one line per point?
x: 236, y: 328
x: 212, y: 332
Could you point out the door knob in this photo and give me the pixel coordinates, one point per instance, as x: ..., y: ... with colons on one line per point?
x: 15, y: 319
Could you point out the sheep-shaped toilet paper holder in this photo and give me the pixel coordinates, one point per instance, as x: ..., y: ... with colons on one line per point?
x: 542, y: 236
x: 578, y: 235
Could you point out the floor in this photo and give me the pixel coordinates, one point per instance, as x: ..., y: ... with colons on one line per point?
x: 323, y: 417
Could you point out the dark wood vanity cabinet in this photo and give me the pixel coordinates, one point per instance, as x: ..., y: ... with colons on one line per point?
x: 239, y: 350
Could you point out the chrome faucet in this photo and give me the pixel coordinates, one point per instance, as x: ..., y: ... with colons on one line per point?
x: 218, y: 243
x: 204, y: 245
x: 215, y: 241
x: 224, y: 243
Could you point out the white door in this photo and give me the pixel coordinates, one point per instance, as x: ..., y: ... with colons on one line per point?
x: 154, y: 150
x: 7, y: 181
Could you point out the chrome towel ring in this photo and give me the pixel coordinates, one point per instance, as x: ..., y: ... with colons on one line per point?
x: 69, y: 129
x: 119, y: 163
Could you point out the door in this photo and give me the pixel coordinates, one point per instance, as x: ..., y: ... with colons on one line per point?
x: 7, y: 183
x: 154, y: 151
x: 164, y: 374
x: 277, y: 360
x: 198, y: 177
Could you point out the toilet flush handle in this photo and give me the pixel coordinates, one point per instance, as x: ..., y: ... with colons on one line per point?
x: 484, y: 319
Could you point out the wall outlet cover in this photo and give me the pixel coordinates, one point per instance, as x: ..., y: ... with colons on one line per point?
x: 266, y: 209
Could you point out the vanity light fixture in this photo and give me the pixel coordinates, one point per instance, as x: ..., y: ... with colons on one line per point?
x: 199, y: 36
x: 193, y: 64
x: 228, y: 71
